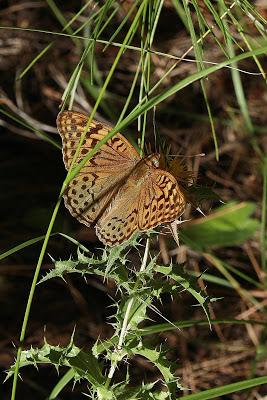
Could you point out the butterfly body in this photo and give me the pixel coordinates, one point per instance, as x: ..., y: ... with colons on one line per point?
x: 116, y: 189
x: 144, y: 169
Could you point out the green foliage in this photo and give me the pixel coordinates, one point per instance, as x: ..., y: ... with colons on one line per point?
x: 83, y: 363
x: 227, y: 226
x: 138, y: 289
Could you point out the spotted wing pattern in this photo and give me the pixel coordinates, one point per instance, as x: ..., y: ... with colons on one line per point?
x: 141, y: 207
x: 120, y: 220
x: 90, y: 192
x: 161, y: 200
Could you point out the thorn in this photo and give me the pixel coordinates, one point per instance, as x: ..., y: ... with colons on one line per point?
x: 49, y: 255
x: 174, y: 232
x: 200, y: 211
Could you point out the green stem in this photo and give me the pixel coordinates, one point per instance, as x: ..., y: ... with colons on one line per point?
x: 30, y: 298
x: 263, y: 218
x: 126, y: 320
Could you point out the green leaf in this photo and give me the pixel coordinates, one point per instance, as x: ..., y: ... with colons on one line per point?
x: 111, y: 262
x: 157, y: 358
x: 227, y: 226
x: 188, y: 283
x: 84, y: 364
x: 142, y: 392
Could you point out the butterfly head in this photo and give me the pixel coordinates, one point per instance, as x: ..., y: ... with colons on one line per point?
x: 153, y: 160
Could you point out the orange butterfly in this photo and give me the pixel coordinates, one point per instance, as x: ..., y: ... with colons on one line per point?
x: 116, y: 189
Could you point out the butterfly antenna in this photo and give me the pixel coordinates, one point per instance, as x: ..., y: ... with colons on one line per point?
x: 154, y: 126
x: 159, y: 144
x: 188, y: 156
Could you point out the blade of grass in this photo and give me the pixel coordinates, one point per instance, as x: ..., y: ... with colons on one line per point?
x: 34, y: 61
x: 217, y: 19
x: 82, y: 9
x: 235, y: 284
x: 200, y: 40
x: 219, y: 23
x: 140, y: 108
x: 165, y: 327
x: 180, y: 11
x: 60, y: 17
x: 212, y: 278
x: 121, y: 25
x: 131, y: 92
x: 239, y: 91
x: 66, y: 378
x: 99, y: 23
x: 30, y: 298
x: 242, y: 275
x: 21, y: 246
x: 70, y: 89
x: 152, y: 16
x: 151, y: 330
x: 66, y: 26
x: 29, y: 242
x: 238, y: 87
x: 89, y: 49
x: 226, y: 389
x: 89, y: 21
x: 91, y: 60
x: 38, y: 133
x: 250, y: 48
x: 253, y: 14
x: 200, y: 66
x: 264, y: 218
x: 135, y: 48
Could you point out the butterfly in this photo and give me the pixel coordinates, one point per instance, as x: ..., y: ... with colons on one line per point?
x: 116, y: 190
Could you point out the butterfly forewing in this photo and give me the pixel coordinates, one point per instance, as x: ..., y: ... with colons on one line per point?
x: 90, y: 192
x: 71, y: 126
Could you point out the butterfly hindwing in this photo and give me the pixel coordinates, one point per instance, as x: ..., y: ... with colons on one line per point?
x: 120, y: 220
x: 141, y: 207
x: 161, y: 200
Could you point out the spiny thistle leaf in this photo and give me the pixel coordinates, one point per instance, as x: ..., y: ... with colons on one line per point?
x: 90, y: 265
x: 142, y: 392
x: 186, y: 282
x: 157, y: 358
x: 83, y: 362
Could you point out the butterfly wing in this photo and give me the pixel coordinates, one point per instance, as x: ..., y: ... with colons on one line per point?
x: 120, y: 220
x: 141, y: 207
x: 161, y: 200
x: 89, y: 193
